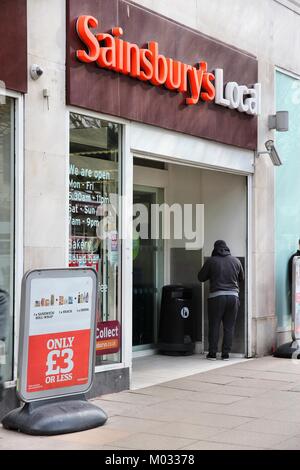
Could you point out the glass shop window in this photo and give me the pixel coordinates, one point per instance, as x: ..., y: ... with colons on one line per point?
x: 7, y: 248
x: 94, y: 221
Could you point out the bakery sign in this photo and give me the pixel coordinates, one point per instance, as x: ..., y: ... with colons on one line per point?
x: 197, y: 84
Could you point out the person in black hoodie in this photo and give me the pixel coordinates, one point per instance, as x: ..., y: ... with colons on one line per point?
x: 224, y: 273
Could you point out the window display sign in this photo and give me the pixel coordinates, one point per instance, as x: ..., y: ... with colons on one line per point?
x: 94, y: 188
x: 57, y: 339
x: 108, y: 337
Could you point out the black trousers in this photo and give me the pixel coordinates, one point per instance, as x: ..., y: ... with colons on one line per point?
x: 223, y: 308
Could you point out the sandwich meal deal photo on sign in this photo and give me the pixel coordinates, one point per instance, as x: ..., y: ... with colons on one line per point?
x: 58, y: 349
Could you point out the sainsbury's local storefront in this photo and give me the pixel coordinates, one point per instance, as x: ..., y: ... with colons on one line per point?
x: 134, y: 110
x: 152, y: 110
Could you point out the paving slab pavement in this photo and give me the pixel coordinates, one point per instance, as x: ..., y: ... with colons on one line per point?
x: 249, y: 405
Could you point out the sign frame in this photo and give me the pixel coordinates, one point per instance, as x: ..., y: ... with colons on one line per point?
x: 23, y: 367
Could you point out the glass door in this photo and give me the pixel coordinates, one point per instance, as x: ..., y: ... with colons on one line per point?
x: 147, y: 271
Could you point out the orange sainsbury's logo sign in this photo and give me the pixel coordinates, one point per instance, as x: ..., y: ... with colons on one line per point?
x: 111, y: 52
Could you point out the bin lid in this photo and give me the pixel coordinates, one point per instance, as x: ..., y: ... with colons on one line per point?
x: 177, y: 287
x: 177, y: 291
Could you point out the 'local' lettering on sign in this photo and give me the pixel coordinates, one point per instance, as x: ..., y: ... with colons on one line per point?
x: 110, y: 52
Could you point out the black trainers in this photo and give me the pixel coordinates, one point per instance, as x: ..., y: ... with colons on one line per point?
x: 225, y: 357
x: 211, y: 357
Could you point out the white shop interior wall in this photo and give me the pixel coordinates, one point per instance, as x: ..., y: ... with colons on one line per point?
x: 225, y: 211
x: 225, y: 206
x: 222, y: 194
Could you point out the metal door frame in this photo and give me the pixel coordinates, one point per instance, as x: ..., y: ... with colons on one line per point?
x: 146, y: 348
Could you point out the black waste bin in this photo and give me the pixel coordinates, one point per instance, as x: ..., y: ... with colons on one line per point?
x: 177, y: 321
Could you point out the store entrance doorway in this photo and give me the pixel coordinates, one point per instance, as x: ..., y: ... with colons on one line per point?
x: 171, y: 261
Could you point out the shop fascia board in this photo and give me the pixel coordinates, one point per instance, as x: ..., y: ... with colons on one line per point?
x: 147, y: 140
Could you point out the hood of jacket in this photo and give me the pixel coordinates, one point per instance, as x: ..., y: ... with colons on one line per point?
x: 221, y: 249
